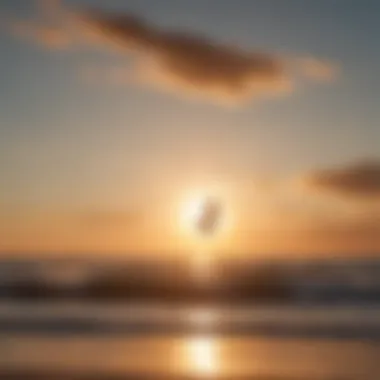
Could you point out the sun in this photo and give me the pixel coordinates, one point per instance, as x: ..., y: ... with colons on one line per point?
x: 202, y: 216
x: 190, y: 212
x: 205, y: 223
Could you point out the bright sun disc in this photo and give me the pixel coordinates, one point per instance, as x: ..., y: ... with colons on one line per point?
x: 191, y: 212
x: 203, y: 216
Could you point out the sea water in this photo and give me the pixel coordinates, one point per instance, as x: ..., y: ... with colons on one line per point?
x: 280, y: 342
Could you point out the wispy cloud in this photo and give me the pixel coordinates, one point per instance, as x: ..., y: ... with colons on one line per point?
x: 359, y: 180
x: 47, y: 36
x: 181, y: 62
x: 318, y: 69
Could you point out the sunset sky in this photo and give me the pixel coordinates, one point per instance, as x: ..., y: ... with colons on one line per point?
x: 116, y: 114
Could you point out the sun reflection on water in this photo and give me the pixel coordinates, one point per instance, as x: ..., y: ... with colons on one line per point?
x: 202, y: 356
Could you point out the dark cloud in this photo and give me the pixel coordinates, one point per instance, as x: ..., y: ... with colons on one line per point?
x: 361, y: 180
x: 173, y: 60
x: 190, y: 62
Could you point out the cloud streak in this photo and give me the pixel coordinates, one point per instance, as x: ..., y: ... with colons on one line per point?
x: 360, y: 180
x: 318, y: 69
x: 190, y: 62
x: 176, y: 61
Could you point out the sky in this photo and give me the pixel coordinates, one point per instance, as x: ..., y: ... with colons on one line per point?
x: 115, y: 115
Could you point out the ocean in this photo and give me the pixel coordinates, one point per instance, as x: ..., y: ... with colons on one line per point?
x: 332, y: 336
x: 153, y: 341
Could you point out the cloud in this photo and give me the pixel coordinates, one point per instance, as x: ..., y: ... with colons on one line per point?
x: 317, y: 69
x: 187, y: 62
x: 360, y: 180
x: 173, y: 60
